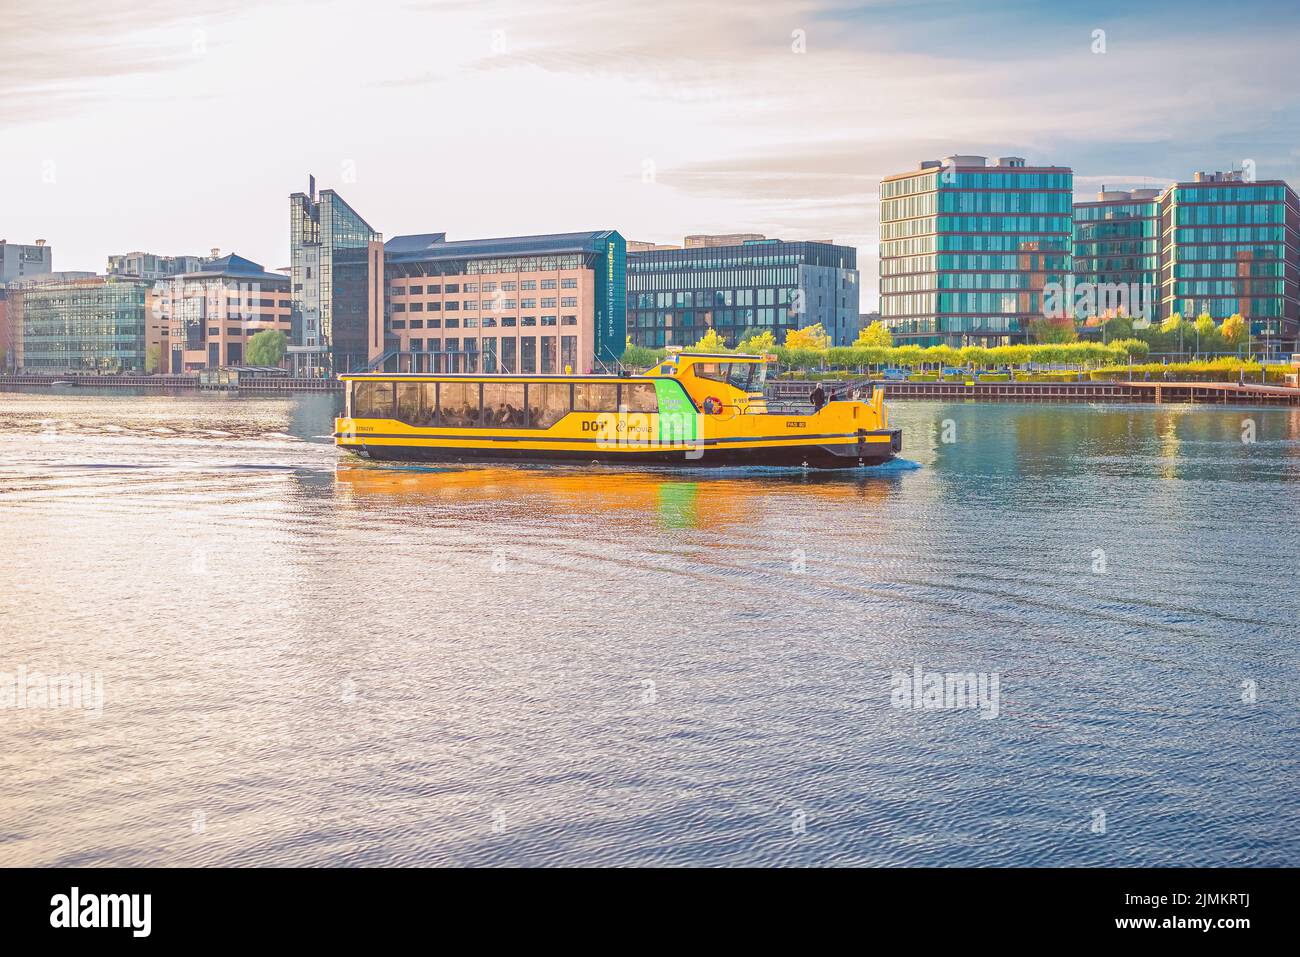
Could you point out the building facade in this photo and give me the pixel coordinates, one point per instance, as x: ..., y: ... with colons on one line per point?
x: 95, y: 323
x: 337, y: 276
x: 140, y: 265
x: 1229, y: 245
x: 967, y: 247
x: 1117, y: 254
x: 19, y: 262
x: 526, y: 304
x: 208, y: 316
x: 767, y: 285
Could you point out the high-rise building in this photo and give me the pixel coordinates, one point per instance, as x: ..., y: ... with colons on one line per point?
x: 208, y: 316
x: 676, y: 295
x: 18, y: 262
x: 337, y: 270
x: 525, y: 304
x: 98, y: 323
x: 1230, y: 244
x: 1117, y: 253
x: 967, y: 246
x: 140, y: 265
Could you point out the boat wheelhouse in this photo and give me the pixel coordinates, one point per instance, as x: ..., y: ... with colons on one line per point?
x: 692, y: 409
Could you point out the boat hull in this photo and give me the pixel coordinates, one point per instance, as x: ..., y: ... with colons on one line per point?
x: 820, y: 456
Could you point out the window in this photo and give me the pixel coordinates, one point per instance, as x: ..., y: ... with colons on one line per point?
x: 508, y: 348
x: 408, y: 402
x: 548, y: 402
x: 417, y: 307
x: 435, y: 307
x: 452, y: 287
x: 569, y: 302
x: 568, y: 320
x: 489, y: 287
x: 434, y: 290
x: 548, y: 355
x: 548, y: 283
x: 528, y: 284
x: 470, y: 305
x: 453, y: 306
x: 399, y: 323
x: 507, y: 287
x: 416, y: 324
x: 528, y: 354
x: 426, y: 415
x: 529, y: 321
x: 640, y: 397
x: 548, y: 303
x: 471, y: 287
x: 417, y: 290
x: 503, y: 404
x: 568, y: 284
x: 527, y: 303
x: 372, y: 400
x: 509, y: 321
x: 548, y: 320
x: 568, y: 352
x: 595, y: 397
x: 458, y: 404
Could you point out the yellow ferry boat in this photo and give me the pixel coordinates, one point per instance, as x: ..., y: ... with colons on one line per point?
x: 692, y: 409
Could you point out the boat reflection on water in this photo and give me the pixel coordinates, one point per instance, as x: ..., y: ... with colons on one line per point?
x: 677, y: 499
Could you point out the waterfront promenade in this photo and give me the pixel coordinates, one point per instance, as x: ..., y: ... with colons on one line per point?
x: 1218, y: 393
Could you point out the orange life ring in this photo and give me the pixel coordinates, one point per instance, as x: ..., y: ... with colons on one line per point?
x: 712, y: 405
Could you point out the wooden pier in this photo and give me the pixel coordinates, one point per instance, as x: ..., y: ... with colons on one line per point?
x: 1216, y: 393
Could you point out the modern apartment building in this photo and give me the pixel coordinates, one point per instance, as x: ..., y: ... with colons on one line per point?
x: 1230, y: 244
x: 90, y: 323
x: 19, y: 262
x: 140, y: 265
x: 524, y: 304
x: 209, y: 315
x: 967, y: 246
x: 1117, y: 254
x: 676, y: 295
x: 337, y: 275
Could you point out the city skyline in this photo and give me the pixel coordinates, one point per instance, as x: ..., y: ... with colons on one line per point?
x: 482, y: 120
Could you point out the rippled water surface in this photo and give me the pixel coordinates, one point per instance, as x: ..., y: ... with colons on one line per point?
x: 307, y: 659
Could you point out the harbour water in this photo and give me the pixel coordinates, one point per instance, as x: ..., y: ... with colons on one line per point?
x: 306, y: 659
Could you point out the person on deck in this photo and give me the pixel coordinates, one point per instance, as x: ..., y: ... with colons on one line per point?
x: 817, y: 397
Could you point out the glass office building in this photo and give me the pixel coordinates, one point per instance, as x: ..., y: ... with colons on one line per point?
x: 967, y: 247
x: 337, y: 274
x: 1117, y: 252
x: 94, y: 324
x: 674, y: 296
x: 1230, y: 245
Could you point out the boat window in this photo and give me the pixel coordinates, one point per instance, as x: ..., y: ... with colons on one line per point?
x: 408, y: 402
x: 640, y: 397
x: 595, y: 397
x: 741, y: 374
x: 548, y: 402
x: 428, y: 405
x: 374, y: 400
x: 503, y: 404
x: 458, y: 404
x: 712, y: 370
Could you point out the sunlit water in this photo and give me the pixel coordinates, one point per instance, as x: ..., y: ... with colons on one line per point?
x: 311, y: 660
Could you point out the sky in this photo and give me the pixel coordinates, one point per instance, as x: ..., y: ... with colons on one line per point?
x: 176, y: 128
